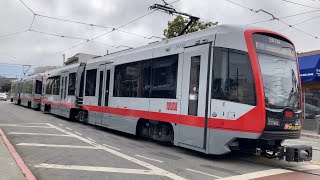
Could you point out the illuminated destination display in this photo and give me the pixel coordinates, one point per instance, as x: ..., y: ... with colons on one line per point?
x: 271, y: 44
x: 287, y: 51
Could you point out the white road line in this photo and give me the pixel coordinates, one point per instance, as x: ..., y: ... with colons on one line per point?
x: 192, y: 170
x: 95, y: 168
x: 149, y: 158
x: 111, y: 147
x: 257, y: 174
x: 305, y: 167
x: 78, y: 133
x: 69, y: 128
x: 39, y: 134
x: 57, y: 146
x: 156, y: 170
x: 60, y: 124
x: 33, y: 123
x: 91, y: 139
x: 20, y: 125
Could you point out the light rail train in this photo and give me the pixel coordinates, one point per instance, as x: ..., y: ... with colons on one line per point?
x: 223, y: 89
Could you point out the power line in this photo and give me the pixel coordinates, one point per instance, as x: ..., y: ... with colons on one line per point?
x: 301, y: 22
x: 114, y: 29
x: 15, y: 33
x: 283, y: 17
x: 276, y: 18
x: 72, y: 21
x: 86, y: 40
x: 291, y: 2
x: 290, y: 26
x: 27, y: 7
x: 108, y: 45
x: 56, y: 35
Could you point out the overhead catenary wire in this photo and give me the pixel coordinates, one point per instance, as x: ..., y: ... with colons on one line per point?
x: 301, y: 22
x: 284, y: 17
x: 299, y: 4
x: 275, y: 18
x: 86, y: 40
x: 56, y: 35
x: 114, y: 29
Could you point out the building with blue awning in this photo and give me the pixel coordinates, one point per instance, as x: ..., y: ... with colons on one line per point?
x: 309, y: 65
x: 310, y: 68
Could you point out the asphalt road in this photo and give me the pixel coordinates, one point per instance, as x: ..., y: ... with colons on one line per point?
x: 55, y: 148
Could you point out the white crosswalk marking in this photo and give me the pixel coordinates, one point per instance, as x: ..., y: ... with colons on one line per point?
x: 95, y: 168
x: 257, y: 174
x: 22, y: 125
x: 58, y: 146
x: 192, y: 170
x: 111, y: 147
x: 149, y: 158
x: 39, y: 134
x: 155, y: 170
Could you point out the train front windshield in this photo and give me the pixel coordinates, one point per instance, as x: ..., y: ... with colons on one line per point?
x: 280, y: 81
x: 279, y: 71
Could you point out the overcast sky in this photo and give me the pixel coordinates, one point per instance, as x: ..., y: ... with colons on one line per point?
x: 40, y: 49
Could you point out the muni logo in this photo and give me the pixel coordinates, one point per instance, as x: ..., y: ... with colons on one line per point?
x: 172, y: 106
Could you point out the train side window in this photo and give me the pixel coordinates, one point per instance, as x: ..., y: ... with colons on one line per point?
x: 241, y: 81
x: 232, y: 77
x: 128, y: 80
x: 56, y: 85
x: 38, y: 87
x: 72, y: 84
x: 49, y: 86
x: 145, y: 78
x: 91, y: 78
x: 155, y: 78
x: 164, y: 77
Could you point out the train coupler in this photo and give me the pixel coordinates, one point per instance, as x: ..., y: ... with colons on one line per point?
x: 298, y: 153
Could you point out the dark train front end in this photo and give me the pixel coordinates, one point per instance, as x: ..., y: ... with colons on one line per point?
x: 281, y: 97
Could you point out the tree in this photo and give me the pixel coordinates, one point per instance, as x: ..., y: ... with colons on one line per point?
x: 177, y: 25
x: 6, y: 87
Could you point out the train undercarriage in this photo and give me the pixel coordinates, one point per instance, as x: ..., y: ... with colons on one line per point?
x: 273, y: 149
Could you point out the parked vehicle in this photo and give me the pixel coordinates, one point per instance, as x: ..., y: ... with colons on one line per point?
x: 3, y: 96
x: 311, y: 111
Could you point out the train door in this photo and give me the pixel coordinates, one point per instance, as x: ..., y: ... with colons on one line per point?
x: 194, y: 94
x: 106, y: 116
x: 64, y: 85
x: 101, y: 75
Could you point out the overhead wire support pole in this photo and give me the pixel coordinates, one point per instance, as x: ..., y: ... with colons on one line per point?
x: 24, y: 72
x: 170, y: 10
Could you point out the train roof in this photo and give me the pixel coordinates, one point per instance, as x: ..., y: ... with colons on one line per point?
x: 231, y: 36
x: 184, y: 41
x: 54, y: 72
x: 32, y: 76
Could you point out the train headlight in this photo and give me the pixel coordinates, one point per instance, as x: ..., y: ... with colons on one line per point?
x: 273, y: 121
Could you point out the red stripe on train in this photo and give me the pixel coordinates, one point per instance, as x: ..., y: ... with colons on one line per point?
x: 56, y: 103
x: 165, y: 117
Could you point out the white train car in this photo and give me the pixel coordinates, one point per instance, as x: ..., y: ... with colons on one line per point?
x: 221, y: 89
x: 60, y: 91
x: 15, y: 92
x: 31, y: 91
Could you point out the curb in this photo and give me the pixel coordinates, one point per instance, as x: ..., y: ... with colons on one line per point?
x: 24, y: 168
x: 310, y: 136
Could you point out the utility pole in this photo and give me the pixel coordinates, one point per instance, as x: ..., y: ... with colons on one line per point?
x: 25, y: 71
x: 63, y: 59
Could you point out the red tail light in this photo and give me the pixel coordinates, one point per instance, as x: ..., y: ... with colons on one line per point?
x: 288, y: 114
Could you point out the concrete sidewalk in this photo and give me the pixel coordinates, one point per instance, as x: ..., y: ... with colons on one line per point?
x: 310, y: 134
x: 8, y: 167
